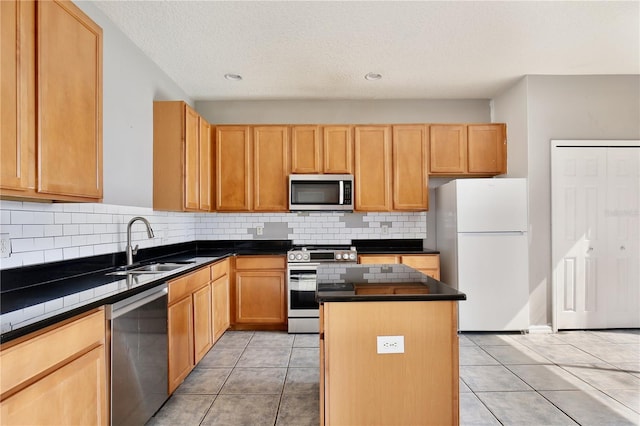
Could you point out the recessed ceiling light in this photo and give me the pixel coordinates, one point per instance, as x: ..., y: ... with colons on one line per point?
x: 373, y: 76
x: 233, y: 77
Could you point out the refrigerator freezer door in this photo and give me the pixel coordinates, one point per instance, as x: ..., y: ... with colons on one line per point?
x: 493, y: 272
x: 491, y: 205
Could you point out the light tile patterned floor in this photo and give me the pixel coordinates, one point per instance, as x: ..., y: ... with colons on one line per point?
x: 568, y: 378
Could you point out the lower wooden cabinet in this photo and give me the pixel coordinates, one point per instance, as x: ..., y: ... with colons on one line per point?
x: 220, y: 298
x: 189, y: 323
x: 57, y: 375
x: 180, y: 335
x: 428, y: 264
x: 260, y: 291
x: 202, y: 322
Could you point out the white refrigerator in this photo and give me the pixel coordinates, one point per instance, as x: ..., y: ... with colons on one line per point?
x: 481, y: 227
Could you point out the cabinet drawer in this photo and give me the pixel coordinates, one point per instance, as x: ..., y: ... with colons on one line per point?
x: 260, y: 262
x: 428, y: 261
x: 180, y: 287
x: 378, y: 259
x: 34, y: 356
x: 219, y: 269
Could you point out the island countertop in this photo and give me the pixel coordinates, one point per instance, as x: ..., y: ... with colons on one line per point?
x: 383, y: 282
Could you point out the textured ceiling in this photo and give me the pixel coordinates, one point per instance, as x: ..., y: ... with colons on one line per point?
x: 424, y: 49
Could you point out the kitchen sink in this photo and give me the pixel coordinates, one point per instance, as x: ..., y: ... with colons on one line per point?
x: 153, y: 268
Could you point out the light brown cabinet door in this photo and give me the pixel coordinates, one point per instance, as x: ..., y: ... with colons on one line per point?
x: 206, y: 165
x: 410, y: 176
x: 74, y: 394
x: 202, y: 322
x: 69, y: 76
x: 306, y: 154
x: 487, y: 148
x: 180, y: 339
x: 233, y: 168
x: 17, y: 96
x: 220, y: 294
x: 372, y: 168
x: 337, y: 142
x: 191, y: 159
x: 447, y: 149
x: 378, y: 259
x: 428, y: 264
x: 261, y: 297
x: 271, y: 168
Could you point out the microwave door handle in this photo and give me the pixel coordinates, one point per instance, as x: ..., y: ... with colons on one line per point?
x: 341, y: 200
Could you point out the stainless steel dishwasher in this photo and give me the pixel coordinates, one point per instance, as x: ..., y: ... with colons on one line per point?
x: 139, y: 379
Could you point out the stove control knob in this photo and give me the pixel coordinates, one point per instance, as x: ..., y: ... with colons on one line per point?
x: 292, y: 256
x: 338, y: 256
x: 305, y: 256
x: 352, y: 256
x: 298, y: 256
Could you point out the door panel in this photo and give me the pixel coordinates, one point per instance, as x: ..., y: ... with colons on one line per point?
x: 595, y: 236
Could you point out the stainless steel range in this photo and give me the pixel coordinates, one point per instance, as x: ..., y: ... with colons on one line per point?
x: 302, y: 264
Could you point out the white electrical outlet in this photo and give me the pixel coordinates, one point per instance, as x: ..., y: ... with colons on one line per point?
x: 390, y: 344
x: 259, y: 230
x: 5, y: 245
x: 385, y: 229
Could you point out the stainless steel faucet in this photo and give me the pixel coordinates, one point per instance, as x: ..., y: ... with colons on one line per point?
x: 134, y: 250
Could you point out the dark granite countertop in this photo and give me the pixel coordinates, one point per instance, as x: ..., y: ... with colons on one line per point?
x: 34, y: 297
x: 390, y: 283
x: 391, y: 246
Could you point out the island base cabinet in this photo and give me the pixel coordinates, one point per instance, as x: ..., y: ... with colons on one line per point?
x: 362, y: 387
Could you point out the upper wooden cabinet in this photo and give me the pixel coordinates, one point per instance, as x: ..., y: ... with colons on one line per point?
x: 487, y: 148
x: 337, y: 143
x: 51, y: 95
x: 233, y: 171
x: 322, y: 150
x: 306, y: 149
x: 206, y: 166
x: 181, y: 158
x: 372, y: 168
x: 409, y: 165
x: 252, y: 165
x: 270, y: 168
x: 391, y: 172
x: 473, y: 149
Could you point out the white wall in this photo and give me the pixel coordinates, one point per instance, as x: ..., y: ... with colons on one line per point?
x: 131, y: 82
x: 346, y: 111
x: 562, y: 107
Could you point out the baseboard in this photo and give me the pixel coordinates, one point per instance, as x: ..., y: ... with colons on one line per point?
x: 540, y: 329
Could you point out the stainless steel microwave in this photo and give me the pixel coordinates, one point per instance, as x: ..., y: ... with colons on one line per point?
x: 321, y: 192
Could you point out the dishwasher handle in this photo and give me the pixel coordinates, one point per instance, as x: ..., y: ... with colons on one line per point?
x: 129, y: 304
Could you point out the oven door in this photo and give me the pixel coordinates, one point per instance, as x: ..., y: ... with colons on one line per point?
x: 301, y: 300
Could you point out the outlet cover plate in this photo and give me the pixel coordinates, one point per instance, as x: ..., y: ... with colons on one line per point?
x: 390, y: 344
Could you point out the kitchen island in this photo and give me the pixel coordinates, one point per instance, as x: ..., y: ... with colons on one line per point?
x: 388, y: 346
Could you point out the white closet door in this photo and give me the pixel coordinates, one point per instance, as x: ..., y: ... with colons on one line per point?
x: 595, y: 235
x: 579, y: 251
x: 623, y: 238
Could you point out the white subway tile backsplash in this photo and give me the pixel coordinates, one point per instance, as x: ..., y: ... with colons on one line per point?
x: 53, y: 255
x: 42, y: 233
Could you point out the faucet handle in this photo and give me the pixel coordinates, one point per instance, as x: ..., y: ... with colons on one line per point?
x: 135, y: 249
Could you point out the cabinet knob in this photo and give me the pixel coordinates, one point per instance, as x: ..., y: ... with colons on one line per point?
x: 623, y: 248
